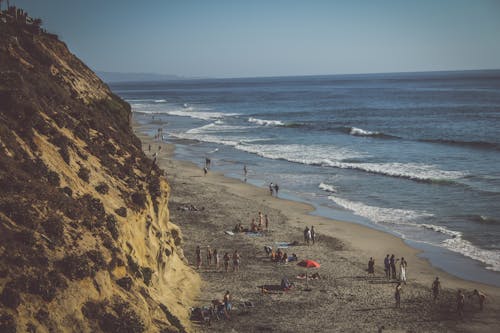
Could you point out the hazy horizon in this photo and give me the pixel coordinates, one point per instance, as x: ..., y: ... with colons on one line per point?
x: 225, y: 39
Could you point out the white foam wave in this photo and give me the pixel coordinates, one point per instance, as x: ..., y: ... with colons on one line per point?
x: 362, y: 132
x: 160, y: 100
x: 334, y: 156
x: 413, y: 171
x: 305, y: 154
x: 189, y: 112
x: 381, y: 214
x: 327, y: 187
x: 406, y: 218
x: 215, y: 127
x: 491, y: 258
x: 264, y: 122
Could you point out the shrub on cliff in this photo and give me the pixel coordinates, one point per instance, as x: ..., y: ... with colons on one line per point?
x: 84, y: 174
x: 102, y: 188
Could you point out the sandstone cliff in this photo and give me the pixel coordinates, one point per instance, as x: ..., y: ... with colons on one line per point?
x: 86, y: 244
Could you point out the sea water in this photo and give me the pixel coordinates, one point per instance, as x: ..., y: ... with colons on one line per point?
x: 414, y: 154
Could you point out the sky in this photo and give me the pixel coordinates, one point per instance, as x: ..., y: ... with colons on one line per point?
x: 275, y: 37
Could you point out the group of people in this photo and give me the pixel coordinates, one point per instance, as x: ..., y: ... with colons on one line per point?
x: 309, y: 235
x: 390, y: 268
x: 279, y: 255
x: 261, y: 224
x: 215, y: 256
x: 273, y: 189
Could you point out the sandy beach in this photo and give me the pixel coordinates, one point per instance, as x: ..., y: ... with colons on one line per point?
x: 345, y: 299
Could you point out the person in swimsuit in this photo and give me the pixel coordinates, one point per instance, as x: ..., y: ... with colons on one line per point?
x: 236, y: 261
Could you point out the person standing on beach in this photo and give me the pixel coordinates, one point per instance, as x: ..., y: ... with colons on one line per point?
x: 393, y: 266
x: 387, y: 267
x: 245, y: 171
x: 205, y: 171
x: 460, y: 303
x: 261, y: 218
x: 371, y: 266
x: 227, y: 301
x: 209, y: 256
x: 276, y: 189
x: 313, y: 232
x: 271, y: 188
x: 307, y: 235
x: 198, y: 256
x: 397, y: 295
x: 436, y: 288
x: 216, y: 258
x: 226, y: 261
x: 236, y: 261
x: 266, y: 221
x: 402, y: 270
x: 481, y: 297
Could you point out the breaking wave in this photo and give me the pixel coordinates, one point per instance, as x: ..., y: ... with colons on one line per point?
x: 453, y: 240
x: 204, y: 115
x: 361, y: 132
x: 264, y: 122
x: 327, y: 187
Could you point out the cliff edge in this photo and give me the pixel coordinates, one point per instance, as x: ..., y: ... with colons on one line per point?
x: 86, y: 244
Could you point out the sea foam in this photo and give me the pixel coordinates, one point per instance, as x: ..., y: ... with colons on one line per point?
x: 264, y: 122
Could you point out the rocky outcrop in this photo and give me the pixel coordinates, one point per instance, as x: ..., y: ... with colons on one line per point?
x: 86, y: 244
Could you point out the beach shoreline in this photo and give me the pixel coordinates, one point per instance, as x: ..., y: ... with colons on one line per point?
x: 352, y: 243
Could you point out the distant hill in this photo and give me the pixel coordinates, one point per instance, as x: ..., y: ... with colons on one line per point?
x: 129, y: 77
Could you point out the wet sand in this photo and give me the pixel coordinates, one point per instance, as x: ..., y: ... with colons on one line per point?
x: 345, y: 299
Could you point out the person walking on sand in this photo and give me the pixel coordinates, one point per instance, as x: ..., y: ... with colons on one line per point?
x: 481, y: 298
x: 402, y: 270
x: 313, y: 234
x: 209, y: 256
x: 245, y: 171
x: 198, y: 257
x: 266, y: 221
x: 261, y: 218
x: 216, y: 258
x: 271, y: 188
x: 460, y: 303
x: 205, y: 171
x: 387, y: 267
x: 226, y: 261
x: 236, y: 261
x: 276, y: 189
x: 436, y: 288
x: 397, y: 295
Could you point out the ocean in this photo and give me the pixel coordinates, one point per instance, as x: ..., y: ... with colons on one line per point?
x: 413, y: 154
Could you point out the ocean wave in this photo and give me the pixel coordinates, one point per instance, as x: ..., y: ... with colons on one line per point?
x: 407, y: 218
x: 327, y: 187
x: 491, y: 258
x: 160, y: 100
x: 361, y: 132
x: 264, y: 122
x: 334, y: 157
x: 469, y: 144
x: 189, y: 112
x: 381, y: 214
x: 215, y: 127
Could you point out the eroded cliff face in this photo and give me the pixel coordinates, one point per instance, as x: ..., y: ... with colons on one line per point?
x: 86, y: 244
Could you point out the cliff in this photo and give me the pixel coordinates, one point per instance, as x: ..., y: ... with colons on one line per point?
x: 86, y: 244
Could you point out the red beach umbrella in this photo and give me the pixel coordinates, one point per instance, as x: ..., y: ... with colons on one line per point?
x: 309, y: 264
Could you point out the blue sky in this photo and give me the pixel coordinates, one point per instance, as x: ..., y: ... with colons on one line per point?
x: 274, y: 38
